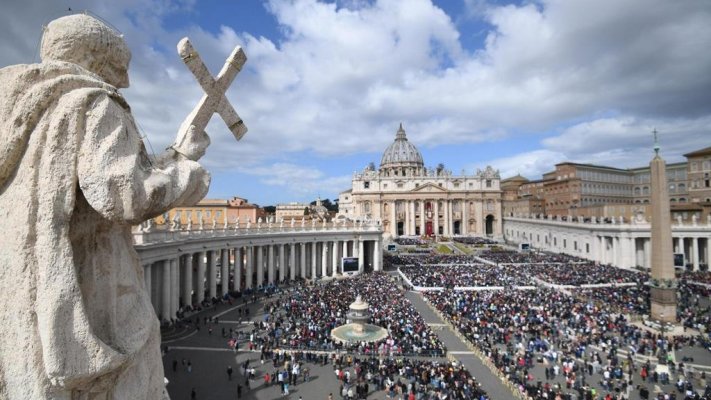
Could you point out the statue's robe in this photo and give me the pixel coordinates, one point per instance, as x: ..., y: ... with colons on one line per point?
x: 75, y: 319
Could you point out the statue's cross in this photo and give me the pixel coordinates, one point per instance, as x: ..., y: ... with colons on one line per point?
x: 214, y: 100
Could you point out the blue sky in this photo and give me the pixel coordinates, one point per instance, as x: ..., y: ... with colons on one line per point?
x: 516, y: 85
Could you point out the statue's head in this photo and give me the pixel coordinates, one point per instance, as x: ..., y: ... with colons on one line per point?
x: 84, y: 40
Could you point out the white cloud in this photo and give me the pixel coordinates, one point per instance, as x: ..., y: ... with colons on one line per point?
x: 299, y: 180
x: 344, y: 74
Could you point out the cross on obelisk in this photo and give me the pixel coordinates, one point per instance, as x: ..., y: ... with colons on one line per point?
x: 214, y: 100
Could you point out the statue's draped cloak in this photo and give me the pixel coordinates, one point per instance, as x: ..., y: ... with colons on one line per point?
x: 74, y: 176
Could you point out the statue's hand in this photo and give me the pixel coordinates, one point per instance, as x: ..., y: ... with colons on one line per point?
x: 192, y: 144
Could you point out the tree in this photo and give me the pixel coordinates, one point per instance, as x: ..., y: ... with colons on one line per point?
x: 270, y: 209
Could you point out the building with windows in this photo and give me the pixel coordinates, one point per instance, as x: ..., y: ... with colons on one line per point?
x: 410, y: 199
x: 214, y: 211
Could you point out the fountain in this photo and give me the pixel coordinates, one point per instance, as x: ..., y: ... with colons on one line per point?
x: 358, y: 330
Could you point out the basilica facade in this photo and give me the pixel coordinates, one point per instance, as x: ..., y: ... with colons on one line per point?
x: 412, y: 200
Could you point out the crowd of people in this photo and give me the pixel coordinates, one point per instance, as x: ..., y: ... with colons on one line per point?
x: 466, y: 275
x: 409, y: 378
x: 518, y: 330
x: 410, y: 241
x: 501, y: 256
x: 582, y: 273
x: 474, y: 240
x: 303, y: 317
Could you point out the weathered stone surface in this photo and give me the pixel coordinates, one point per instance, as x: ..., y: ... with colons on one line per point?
x: 75, y: 321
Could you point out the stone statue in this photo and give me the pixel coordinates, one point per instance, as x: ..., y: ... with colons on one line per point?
x: 678, y: 219
x: 237, y: 223
x: 708, y: 219
x: 303, y: 221
x: 259, y: 223
x: 249, y: 222
x: 694, y: 219
x: 214, y: 223
x: 281, y: 222
x: 201, y: 220
x: 175, y: 222
x: 292, y: 222
x: 313, y: 223
x: 74, y: 178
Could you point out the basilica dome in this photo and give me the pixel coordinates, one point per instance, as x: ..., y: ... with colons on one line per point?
x: 401, y: 154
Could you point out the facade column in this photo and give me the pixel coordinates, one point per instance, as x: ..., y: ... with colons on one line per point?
x: 224, y: 272
x: 324, y: 259
x: 345, y: 248
x: 360, y: 256
x: 406, y: 222
x: 334, y: 259
x: 378, y: 255
x: 708, y: 252
x: 422, y: 218
x: 464, y: 225
x: 237, y: 274
x: 393, y: 220
x: 282, y: 265
x: 695, y: 253
x: 292, y: 261
x: 436, y: 217
x: 260, y: 265
x: 302, y: 249
x: 155, y: 286
x: 165, y: 291
x: 354, y: 250
x: 200, y: 278
x: 648, y: 253
x: 413, y: 204
x: 677, y: 247
x: 270, y: 264
x: 682, y: 250
x: 249, y: 268
x: 447, y: 218
x: 314, y: 261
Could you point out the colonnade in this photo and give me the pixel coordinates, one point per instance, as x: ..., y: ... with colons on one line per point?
x: 189, y: 275
x: 622, y: 245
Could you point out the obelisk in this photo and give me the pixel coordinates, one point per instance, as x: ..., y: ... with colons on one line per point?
x: 663, y: 284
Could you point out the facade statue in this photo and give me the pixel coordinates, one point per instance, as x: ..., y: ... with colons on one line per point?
x: 249, y: 222
x: 74, y: 178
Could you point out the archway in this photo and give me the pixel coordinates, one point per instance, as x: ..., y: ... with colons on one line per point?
x: 489, y: 225
x: 400, y: 228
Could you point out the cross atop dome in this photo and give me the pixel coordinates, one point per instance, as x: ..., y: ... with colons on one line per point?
x: 400, y: 135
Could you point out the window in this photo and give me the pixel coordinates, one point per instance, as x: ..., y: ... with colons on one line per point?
x: 488, y: 183
x: 366, y: 185
x: 385, y: 185
x: 587, y: 247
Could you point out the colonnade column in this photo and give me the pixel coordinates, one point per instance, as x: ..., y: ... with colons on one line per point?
x: 648, y: 252
x: 200, y: 278
x: 270, y: 264
x: 360, y: 256
x: 313, y: 259
x: 436, y: 217
x: 292, y: 261
x: 147, y: 278
x: 174, y: 286
x: 260, y: 265
x: 334, y: 259
x: 224, y: 271
x: 302, y: 248
x: 324, y: 259
x: 695, y: 253
x: 345, y: 248
x: 165, y: 291
x: 282, y: 266
x: 212, y: 273
x: 249, y: 268
x: 188, y: 279
x: 238, y: 269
